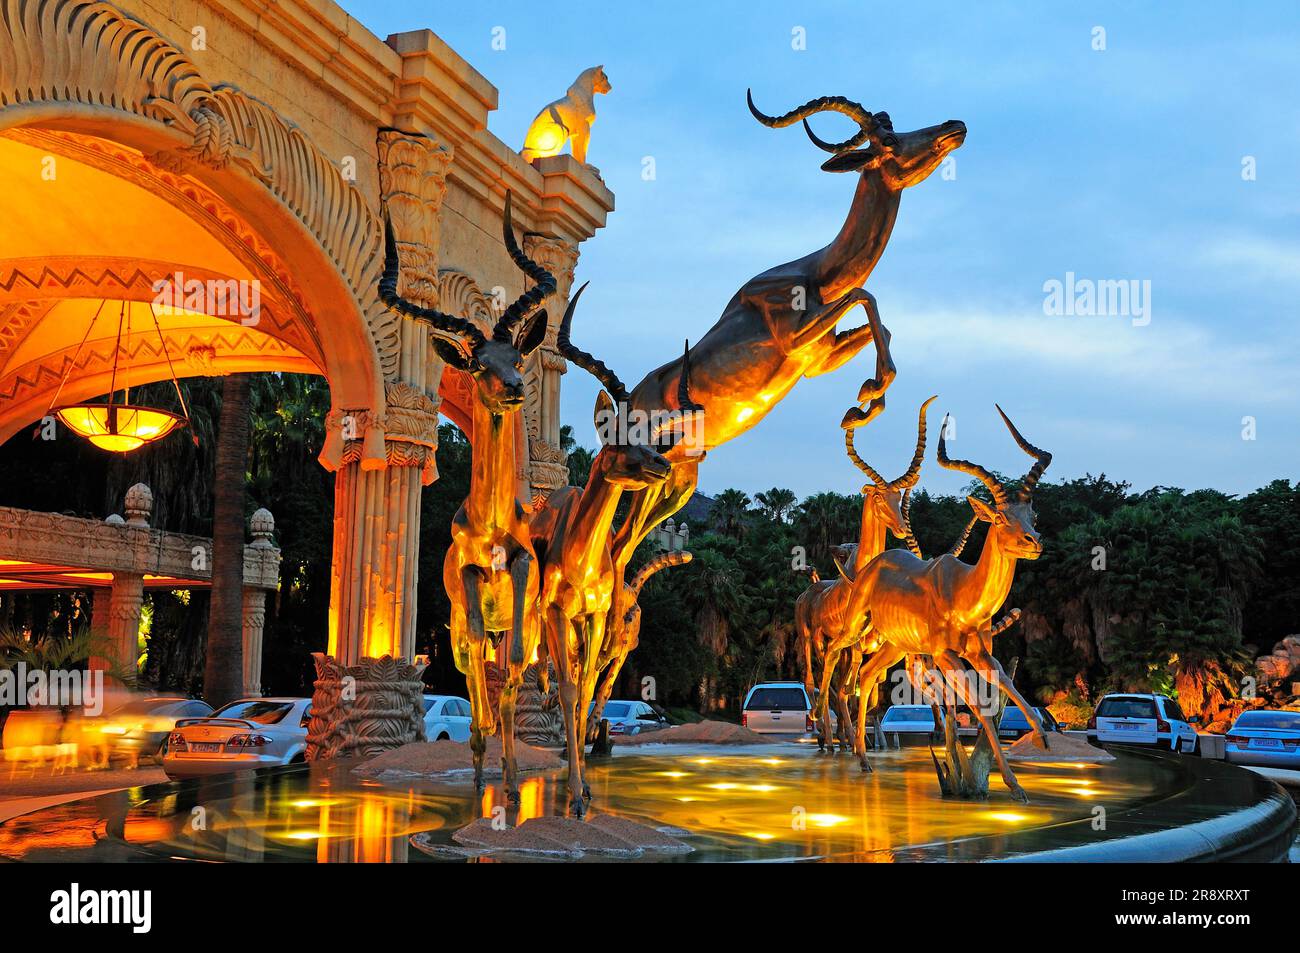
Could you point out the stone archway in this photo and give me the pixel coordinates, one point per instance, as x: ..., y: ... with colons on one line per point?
x: 99, y: 90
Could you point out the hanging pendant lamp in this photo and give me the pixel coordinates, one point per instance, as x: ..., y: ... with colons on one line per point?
x: 121, y: 426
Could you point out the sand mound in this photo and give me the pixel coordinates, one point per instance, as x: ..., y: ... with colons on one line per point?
x: 700, y: 733
x: 439, y: 758
x: 1063, y: 748
x: 604, y: 836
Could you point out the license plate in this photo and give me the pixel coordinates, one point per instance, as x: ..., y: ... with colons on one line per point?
x: 1128, y: 727
x: 1265, y: 743
x: 206, y: 747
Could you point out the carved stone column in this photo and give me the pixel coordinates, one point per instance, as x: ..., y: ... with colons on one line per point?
x: 122, y: 646
x: 254, y: 626
x: 377, y: 507
x: 99, y: 610
x: 547, y: 462
x: 262, y: 528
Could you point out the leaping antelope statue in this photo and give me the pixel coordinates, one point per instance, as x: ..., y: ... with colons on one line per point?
x: 943, y: 608
x: 571, y: 533
x: 490, y: 571
x: 830, y: 615
x: 781, y: 325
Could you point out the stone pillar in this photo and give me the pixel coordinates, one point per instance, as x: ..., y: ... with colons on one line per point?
x: 99, y: 611
x: 546, y: 461
x: 377, y: 501
x: 262, y: 528
x: 122, y: 643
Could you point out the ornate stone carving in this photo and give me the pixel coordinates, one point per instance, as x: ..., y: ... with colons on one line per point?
x: 412, y: 429
x: 361, y: 710
x: 139, y: 505
x: 261, y: 526
x: 413, y: 182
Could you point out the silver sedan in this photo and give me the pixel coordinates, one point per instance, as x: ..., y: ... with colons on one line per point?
x: 249, y: 733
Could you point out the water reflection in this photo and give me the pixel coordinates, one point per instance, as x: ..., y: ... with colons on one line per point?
x: 768, y: 803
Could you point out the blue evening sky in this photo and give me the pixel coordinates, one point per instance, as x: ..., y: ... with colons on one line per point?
x: 1125, y: 163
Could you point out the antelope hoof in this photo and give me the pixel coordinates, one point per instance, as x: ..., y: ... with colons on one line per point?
x: 577, y: 807
x: 1040, y: 741
x: 586, y: 791
x: 1018, y: 793
x: 866, y: 766
x: 512, y: 796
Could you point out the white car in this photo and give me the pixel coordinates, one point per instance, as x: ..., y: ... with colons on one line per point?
x: 446, y: 718
x: 1153, y: 721
x: 778, y: 708
x: 909, y: 724
x: 249, y: 733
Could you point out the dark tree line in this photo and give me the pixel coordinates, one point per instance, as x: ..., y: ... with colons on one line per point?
x: 1163, y: 589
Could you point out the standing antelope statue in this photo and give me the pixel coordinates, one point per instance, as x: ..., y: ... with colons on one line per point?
x: 490, y: 571
x: 829, y: 616
x: 781, y: 325
x: 943, y: 608
x: 571, y: 532
x: 622, y: 639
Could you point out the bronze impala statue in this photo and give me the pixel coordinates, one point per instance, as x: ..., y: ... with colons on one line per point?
x: 943, y: 608
x: 490, y: 571
x: 571, y: 532
x: 622, y: 639
x: 780, y: 326
x: 830, y: 615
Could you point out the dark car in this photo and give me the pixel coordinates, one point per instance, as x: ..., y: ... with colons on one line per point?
x: 1015, y: 725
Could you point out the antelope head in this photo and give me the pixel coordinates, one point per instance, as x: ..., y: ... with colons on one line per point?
x: 1011, y: 522
x: 495, y: 363
x: 623, y: 461
x: 889, y: 498
x: 902, y: 159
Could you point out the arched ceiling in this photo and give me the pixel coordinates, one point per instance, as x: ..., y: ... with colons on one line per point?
x: 91, y: 231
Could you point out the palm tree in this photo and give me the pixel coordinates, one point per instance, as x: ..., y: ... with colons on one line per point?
x: 223, y: 673
x: 730, y: 513
x: 776, y: 502
x: 824, y: 520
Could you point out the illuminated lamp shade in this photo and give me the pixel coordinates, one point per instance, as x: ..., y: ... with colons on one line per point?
x: 119, y: 427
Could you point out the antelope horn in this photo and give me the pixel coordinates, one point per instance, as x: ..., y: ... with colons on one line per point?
x: 974, y: 469
x: 847, y: 107
x: 684, y: 400
x: 861, y: 464
x: 913, y: 474
x: 596, y: 368
x: 662, y: 561
x: 910, y: 538
x: 463, y: 331
x: 527, y: 302
x: 1042, y: 460
x: 956, y: 548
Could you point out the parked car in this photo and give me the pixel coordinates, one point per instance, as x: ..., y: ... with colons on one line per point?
x: 1015, y: 725
x: 1148, y: 720
x: 909, y: 724
x: 631, y: 717
x: 249, y: 733
x: 1264, y: 737
x: 139, y: 729
x: 778, y: 708
x: 446, y: 718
